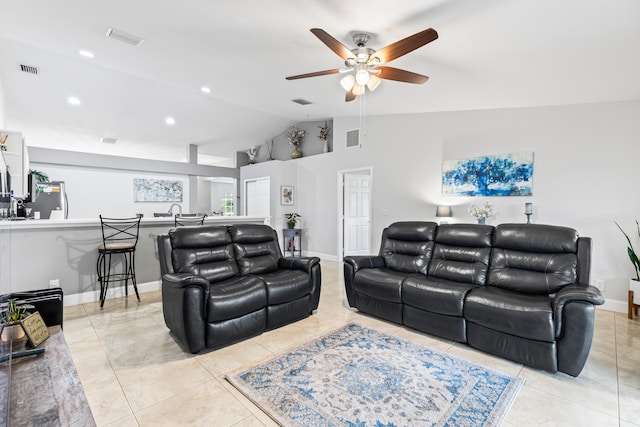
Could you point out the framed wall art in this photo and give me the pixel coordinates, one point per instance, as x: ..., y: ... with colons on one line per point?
x: 156, y: 190
x: 495, y: 175
x: 286, y: 195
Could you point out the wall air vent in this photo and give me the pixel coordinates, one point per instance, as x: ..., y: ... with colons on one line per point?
x: 106, y: 140
x: 28, y: 69
x: 112, y: 33
x: 301, y: 101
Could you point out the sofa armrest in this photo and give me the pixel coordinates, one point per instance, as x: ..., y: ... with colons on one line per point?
x: 182, y: 280
x: 311, y: 266
x: 184, y: 298
x: 292, y: 263
x: 580, y: 293
x: 364, y: 261
x: 574, y: 316
x: 351, y: 266
x: 585, y: 294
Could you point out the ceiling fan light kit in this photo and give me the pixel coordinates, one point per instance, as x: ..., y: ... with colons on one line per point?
x: 364, y: 64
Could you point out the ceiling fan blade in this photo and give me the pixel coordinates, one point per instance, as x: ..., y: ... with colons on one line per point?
x: 342, y: 51
x: 399, y: 75
x: 402, y: 47
x: 315, y: 74
x: 350, y: 96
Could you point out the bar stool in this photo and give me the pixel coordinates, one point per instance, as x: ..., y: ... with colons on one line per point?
x: 188, y: 219
x: 119, y: 237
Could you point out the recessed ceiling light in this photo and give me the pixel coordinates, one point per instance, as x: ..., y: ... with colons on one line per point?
x: 86, y: 53
x: 73, y: 100
x: 170, y: 121
x: 205, y: 89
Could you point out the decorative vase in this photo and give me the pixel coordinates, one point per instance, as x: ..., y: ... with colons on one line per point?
x: 291, y: 224
x: 13, y: 333
x: 295, y: 154
x: 482, y: 220
x: 325, y: 147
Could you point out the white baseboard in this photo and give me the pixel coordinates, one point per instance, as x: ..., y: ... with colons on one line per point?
x: 325, y: 257
x: 614, y: 305
x: 93, y: 296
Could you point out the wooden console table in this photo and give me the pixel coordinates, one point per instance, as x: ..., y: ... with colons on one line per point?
x: 44, y: 389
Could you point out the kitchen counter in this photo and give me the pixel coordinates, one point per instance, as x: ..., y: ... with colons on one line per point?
x: 92, y: 222
x: 36, y: 253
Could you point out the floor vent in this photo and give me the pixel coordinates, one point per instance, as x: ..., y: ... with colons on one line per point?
x: 28, y: 69
x: 301, y: 101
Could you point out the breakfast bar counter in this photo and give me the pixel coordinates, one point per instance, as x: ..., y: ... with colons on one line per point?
x: 36, y: 253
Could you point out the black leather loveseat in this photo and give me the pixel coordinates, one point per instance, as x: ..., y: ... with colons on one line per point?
x: 519, y: 291
x: 222, y: 284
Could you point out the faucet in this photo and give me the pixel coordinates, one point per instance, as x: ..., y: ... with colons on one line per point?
x: 179, y: 209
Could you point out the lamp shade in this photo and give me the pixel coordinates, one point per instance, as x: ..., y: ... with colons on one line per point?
x: 444, y: 211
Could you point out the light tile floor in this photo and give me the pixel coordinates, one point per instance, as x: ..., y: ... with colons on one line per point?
x: 134, y: 374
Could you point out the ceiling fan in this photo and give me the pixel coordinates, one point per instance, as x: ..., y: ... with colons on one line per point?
x: 364, y: 64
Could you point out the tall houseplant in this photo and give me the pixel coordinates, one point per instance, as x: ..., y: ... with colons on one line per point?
x: 634, y: 284
x: 633, y: 256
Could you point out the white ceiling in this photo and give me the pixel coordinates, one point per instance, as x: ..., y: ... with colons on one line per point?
x: 490, y: 54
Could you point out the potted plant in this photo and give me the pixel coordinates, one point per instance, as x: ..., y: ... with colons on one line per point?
x: 481, y: 213
x: 634, y: 284
x: 292, y: 219
x: 295, y: 135
x: 10, y: 319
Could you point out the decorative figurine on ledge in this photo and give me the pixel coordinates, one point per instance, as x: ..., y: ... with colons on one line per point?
x: 252, y: 153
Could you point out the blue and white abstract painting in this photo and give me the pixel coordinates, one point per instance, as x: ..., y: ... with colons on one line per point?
x: 500, y: 175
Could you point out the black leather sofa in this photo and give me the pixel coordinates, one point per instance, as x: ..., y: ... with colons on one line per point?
x: 519, y: 291
x: 223, y: 284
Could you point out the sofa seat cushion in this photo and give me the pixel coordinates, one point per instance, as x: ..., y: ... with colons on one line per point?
x: 235, y: 297
x: 286, y: 285
x: 380, y: 283
x: 521, y: 315
x: 435, y: 295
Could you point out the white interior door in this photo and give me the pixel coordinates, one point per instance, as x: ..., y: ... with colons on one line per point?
x: 357, y: 208
x: 257, y: 197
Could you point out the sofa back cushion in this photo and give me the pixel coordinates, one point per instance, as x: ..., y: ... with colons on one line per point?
x: 204, y: 250
x: 533, y: 258
x: 256, y: 248
x: 406, y: 246
x: 461, y: 253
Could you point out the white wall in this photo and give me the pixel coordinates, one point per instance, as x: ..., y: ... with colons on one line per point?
x: 3, y: 108
x: 108, y: 192
x: 585, y: 168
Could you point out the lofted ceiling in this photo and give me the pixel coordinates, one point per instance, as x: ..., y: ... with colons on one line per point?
x: 489, y: 54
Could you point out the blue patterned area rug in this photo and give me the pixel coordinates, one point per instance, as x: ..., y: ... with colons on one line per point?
x: 360, y: 377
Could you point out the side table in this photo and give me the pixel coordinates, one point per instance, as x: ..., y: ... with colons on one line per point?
x: 292, y: 241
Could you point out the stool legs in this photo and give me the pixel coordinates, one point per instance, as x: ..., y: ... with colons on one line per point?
x: 105, y: 275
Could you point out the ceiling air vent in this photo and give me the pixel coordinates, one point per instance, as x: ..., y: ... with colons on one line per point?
x: 107, y: 140
x: 28, y: 69
x: 301, y: 101
x: 112, y: 33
